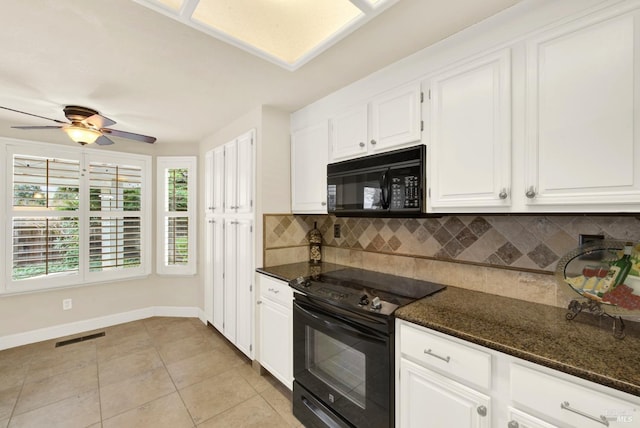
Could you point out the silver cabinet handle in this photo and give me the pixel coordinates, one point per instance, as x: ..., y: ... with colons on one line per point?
x: 429, y: 352
x: 482, y: 410
x: 259, y: 302
x: 361, y: 144
x: 513, y: 424
x: 324, y: 204
x: 273, y: 290
x: 531, y: 193
x: 373, y: 142
x: 503, y: 194
x: 602, y: 419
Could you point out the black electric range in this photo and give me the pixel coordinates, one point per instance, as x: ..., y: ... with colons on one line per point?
x: 363, y: 291
x: 343, y: 346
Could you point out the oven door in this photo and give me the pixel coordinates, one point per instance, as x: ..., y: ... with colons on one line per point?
x: 346, y: 366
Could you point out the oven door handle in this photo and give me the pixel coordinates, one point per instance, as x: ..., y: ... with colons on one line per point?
x: 340, y: 327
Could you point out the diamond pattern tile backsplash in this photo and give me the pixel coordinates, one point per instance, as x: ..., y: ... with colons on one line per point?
x: 521, y: 242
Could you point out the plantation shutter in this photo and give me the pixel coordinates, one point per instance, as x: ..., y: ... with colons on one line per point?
x: 115, y: 213
x: 176, y: 211
x: 44, y: 216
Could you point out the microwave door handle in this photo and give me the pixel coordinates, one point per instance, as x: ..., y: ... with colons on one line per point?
x: 384, y: 186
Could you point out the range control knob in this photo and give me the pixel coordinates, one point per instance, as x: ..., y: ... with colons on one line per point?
x: 364, y: 300
x: 376, y: 303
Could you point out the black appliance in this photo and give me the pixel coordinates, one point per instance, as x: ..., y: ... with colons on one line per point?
x: 385, y: 184
x: 343, y: 346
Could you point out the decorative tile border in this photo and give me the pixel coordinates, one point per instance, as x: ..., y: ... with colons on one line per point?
x: 528, y: 243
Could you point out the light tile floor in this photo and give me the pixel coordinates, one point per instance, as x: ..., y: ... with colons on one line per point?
x: 158, y: 372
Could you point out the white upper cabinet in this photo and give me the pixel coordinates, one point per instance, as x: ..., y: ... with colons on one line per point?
x: 470, y: 135
x: 309, y: 155
x: 395, y: 118
x: 238, y: 170
x: 389, y: 121
x: 349, y: 133
x: 583, y: 126
x: 244, y: 195
x: 217, y: 200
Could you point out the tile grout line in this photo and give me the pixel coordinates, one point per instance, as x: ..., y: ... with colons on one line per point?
x: 24, y: 380
x: 99, y: 391
x: 164, y: 364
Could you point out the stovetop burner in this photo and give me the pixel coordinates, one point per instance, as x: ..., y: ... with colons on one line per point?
x: 365, y: 291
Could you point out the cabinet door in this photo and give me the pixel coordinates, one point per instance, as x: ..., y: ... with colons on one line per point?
x: 208, y: 182
x: 208, y: 269
x: 349, y: 133
x: 583, y: 123
x: 428, y: 399
x: 230, y: 176
x: 309, y: 152
x: 276, y: 328
x: 244, y: 173
x: 275, y: 335
x: 217, y: 181
x: 244, y: 286
x: 215, y: 263
x: 395, y: 118
x: 230, y: 279
x: 470, y: 135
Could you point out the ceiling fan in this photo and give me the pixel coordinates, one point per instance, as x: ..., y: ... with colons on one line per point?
x: 86, y: 126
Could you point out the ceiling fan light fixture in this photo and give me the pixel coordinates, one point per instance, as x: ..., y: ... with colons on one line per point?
x: 82, y: 135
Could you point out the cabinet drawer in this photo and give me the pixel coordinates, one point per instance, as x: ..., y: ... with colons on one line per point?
x: 454, y: 359
x: 278, y: 291
x: 569, y: 403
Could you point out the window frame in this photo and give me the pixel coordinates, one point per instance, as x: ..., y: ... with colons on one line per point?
x: 163, y: 163
x: 11, y: 147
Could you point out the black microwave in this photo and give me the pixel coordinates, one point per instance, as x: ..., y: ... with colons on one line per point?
x: 384, y: 184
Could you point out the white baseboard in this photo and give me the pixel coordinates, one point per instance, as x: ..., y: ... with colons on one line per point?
x: 61, y: 330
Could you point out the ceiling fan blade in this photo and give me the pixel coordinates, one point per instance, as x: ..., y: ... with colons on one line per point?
x: 36, y: 127
x: 98, y: 121
x: 103, y: 141
x: 129, y: 135
x: 34, y: 115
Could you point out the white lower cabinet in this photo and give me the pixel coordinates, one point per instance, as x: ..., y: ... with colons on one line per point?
x: 556, y: 399
x: 275, y: 335
x: 229, y: 279
x: 431, y: 400
x: 432, y: 370
x: 442, y: 382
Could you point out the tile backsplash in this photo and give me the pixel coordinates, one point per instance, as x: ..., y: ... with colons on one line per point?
x: 528, y: 243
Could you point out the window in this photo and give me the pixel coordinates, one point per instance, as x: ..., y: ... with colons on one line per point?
x: 176, y: 215
x: 74, y: 216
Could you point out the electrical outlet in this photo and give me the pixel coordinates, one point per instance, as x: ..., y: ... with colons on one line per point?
x: 67, y: 304
x: 336, y: 230
x: 584, y: 238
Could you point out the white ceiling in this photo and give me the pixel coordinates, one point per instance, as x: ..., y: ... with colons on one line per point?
x: 156, y: 76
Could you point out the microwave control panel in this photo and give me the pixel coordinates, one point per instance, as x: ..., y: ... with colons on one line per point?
x: 405, y: 192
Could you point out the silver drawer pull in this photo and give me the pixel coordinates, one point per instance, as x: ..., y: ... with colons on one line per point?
x: 428, y: 352
x: 513, y: 424
x: 273, y: 290
x: 482, y: 410
x: 602, y: 419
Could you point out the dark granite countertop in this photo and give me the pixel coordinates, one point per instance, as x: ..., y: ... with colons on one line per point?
x: 538, y: 333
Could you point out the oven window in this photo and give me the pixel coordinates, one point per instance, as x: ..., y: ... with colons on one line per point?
x: 339, y: 365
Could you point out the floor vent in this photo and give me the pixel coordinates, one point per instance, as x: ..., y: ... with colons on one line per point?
x: 79, y: 339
